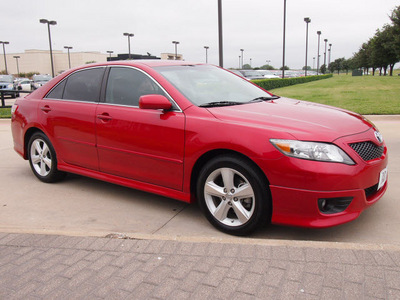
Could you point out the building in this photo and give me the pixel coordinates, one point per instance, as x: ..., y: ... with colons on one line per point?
x: 171, y: 56
x: 38, y: 61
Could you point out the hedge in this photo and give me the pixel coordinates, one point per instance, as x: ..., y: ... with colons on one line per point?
x: 274, y: 83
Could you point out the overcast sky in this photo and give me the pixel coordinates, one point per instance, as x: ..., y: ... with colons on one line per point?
x: 254, y: 25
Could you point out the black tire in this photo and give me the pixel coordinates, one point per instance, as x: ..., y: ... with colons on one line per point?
x: 233, y: 195
x: 43, y: 159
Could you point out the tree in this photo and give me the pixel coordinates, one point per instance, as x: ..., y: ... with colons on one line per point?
x: 337, y: 65
x: 308, y: 68
x: 267, y: 67
x: 323, y: 69
x: 395, y: 18
x: 286, y: 68
x: 346, y: 65
x: 246, y: 67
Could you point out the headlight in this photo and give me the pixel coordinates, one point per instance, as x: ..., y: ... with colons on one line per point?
x: 312, y: 151
x: 10, y: 86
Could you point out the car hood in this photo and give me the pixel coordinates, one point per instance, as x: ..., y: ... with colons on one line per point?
x: 303, y: 120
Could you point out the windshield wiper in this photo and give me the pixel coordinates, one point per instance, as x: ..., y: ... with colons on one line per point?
x: 220, y: 103
x: 264, y: 98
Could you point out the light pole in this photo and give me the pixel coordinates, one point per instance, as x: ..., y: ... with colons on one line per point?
x: 242, y: 56
x: 307, y: 20
x: 250, y: 62
x: 16, y: 58
x: 325, y: 40
x: 330, y: 51
x: 110, y: 52
x: 319, y: 35
x: 176, y: 49
x: 206, y: 47
x: 45, y: 21
x: 239, y: 61
x: 69, y: 58
x: 284, y: 38
x: 220, y: 41
x: 4, y: 52
x: 313, y: 63
x: 129, y: 35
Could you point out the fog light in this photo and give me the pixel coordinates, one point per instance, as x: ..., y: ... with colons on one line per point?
x: 333, y: 205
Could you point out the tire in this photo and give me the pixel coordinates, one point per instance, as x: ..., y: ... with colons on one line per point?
x: 233, y: 195
x: 43, y: 159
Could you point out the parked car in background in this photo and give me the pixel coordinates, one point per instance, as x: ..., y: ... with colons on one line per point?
x: 7, y: 85
x: 39, y: 80
x: 251, y: 74
x: 23, y: 84
x: 267, y: 74
x: 197, y: 132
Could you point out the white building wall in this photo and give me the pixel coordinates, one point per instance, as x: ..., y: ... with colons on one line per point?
x: 38, y: 61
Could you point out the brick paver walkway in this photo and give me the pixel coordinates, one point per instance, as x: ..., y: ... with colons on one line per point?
x: 62, y: 267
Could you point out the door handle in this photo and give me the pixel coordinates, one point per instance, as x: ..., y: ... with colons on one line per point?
x: 104, y: 117
x: 45, y: 108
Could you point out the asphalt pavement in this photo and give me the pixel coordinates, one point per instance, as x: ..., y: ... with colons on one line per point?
x: 83, y: 238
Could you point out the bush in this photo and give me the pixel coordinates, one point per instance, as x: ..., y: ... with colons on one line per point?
x: 274, y: 83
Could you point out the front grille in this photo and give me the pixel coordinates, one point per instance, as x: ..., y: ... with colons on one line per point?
x: 367, y: 150
x: 371, y: 191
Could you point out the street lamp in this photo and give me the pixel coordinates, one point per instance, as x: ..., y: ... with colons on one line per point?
x: 206, y: 47
x: 220, y: 43
x: 330, y: 51
x: 45, y: 21
x: 176, y: 49
x: 319, y: 35
x: 239, y: 61
x: 16, y: 58
x: 284, y: 38
x: 129, y: 35
x: 307, y: 20
x: 325, y: 40
x: 4, y: 52
x: 110, y: 52
x: 69, y: 58
x: 242, y: 56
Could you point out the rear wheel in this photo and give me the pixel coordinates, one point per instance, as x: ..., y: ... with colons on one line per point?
x: 42, y: 159
x: 233, y: 195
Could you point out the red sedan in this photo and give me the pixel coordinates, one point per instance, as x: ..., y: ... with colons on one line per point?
x: 198, y: 132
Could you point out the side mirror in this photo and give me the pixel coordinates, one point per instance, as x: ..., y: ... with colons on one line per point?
x: 154, y: 102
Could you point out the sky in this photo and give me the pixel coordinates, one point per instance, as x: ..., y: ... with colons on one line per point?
x: 253, y: 25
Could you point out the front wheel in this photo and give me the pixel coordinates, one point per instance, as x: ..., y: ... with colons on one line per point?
x: 233, y: 195
x: 42, y: 159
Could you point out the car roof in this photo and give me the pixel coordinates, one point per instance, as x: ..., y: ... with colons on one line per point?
x: 145, y: 62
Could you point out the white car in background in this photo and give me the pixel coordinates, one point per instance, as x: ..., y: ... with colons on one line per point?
x: 23, y: 84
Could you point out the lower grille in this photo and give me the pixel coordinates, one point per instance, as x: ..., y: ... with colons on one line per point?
x: 371, y: 191
x: 368, y: 150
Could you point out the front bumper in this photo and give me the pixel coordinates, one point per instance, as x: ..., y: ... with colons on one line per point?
x: 296, y: 185
x: 300, y: 207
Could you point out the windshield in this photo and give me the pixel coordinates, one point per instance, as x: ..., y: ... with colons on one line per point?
x: 205, y: 84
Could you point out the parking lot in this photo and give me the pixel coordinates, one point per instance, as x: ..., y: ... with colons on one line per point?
x: 86, y: 207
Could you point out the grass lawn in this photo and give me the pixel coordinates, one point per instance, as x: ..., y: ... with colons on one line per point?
x: 367, y: 95
x: 5, y: 112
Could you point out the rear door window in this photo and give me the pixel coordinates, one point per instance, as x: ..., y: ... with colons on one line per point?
x: 84, y: 85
